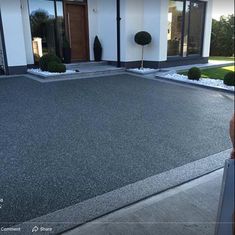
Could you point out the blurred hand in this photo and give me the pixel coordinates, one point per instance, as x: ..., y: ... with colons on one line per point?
x: 232, y: 130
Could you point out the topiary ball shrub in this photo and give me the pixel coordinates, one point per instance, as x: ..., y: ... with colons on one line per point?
x: 143, y: 38
x: 229, y: 79
x: 55, y: 67
x: 45, y: 59
x: 194, y: 73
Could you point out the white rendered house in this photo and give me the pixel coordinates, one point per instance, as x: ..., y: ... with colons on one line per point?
x: 180, y: 31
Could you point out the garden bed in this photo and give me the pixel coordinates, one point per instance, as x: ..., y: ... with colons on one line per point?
x: 208, y: 82
x: 142, y: 71
x: 46, y: 74
x: 214, y: 73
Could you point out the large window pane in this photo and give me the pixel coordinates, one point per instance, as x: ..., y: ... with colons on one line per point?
x: 196, y: 27
x: 185, y: 27
x: 175, y: 22
x: 42, y: 19
x: 47, y: 26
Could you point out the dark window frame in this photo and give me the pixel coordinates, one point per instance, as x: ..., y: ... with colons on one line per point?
x: 5, y: 65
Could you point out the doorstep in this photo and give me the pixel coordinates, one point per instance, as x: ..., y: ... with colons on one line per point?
x: 83, y: 71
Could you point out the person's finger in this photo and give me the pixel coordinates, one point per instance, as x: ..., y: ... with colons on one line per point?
x: 232, y: 135
x: 232, y: 130
x: 233, y: 157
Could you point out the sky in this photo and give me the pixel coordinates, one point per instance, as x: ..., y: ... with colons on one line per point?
x: 222, y: 7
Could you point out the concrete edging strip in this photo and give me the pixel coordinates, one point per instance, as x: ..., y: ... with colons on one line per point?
x: 75, y: 215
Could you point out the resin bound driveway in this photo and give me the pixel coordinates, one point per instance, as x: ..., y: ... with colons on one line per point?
x: 64, y: 142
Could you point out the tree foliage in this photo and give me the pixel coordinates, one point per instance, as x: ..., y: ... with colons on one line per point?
x: 222, y: 37
x: 39, y: 20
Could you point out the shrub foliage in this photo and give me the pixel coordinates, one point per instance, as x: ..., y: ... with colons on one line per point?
x: 143, y: 38
x: 229, y: 79
x: 222, y: 36
x: 194, y: 73
x: 55, y: 67
x: 46, y: 59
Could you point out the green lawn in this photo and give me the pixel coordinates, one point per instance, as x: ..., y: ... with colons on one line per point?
x: 221, y: 58
x: 216, y: 73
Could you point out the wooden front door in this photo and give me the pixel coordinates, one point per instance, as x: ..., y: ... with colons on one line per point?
x: 77, y: 31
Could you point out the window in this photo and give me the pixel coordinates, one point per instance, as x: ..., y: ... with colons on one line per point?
x: 196, y: 28
x: 185, y: 27
x: 175, y: 15
x: 47, y: 27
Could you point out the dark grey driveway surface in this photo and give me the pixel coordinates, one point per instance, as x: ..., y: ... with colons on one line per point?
x: 64, y: 142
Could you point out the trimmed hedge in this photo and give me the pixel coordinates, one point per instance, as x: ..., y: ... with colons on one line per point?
x: 55, y: 67
x: 194, y: 73
x: 46, y: 59
x: 229, y: 79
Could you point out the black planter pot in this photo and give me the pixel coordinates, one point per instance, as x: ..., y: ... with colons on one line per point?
x: 2, y: 72
x: 97, y: 49
x: 67, y: 55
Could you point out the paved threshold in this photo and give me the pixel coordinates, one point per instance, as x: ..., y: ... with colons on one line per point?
x: 78, y: 214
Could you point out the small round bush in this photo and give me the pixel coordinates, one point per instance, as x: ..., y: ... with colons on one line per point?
x: 143, y: 38
x: 194, y: 73
x: 229, y: 79
x: 55, y: 67
x: 45, y: 59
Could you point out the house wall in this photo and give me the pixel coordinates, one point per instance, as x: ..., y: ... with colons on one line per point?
x: 17, y: 35
x: 92, y: 23
x: 208, y: 27
x: 152, y: 16
x: 156, y: 22
x: 136, y: 15
x: 131, y: 22
x: 107, y: 28
x: 144, y: 15
x: 102, y: 22
x: 27, y: 32
x: 13, y: 33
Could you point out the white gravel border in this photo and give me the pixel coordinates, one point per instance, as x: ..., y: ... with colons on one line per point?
x: 209, y: 82
x: 142, y: 71
x: 39, y: 72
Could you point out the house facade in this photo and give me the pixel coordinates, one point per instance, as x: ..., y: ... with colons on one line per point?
x: 180, y: 31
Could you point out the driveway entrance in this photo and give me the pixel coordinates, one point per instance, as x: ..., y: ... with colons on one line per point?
x: 65, y: 142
